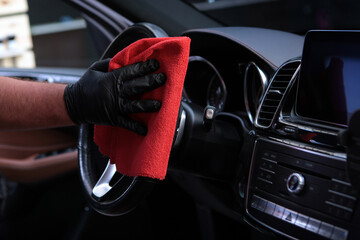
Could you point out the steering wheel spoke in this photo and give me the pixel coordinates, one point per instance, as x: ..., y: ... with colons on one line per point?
x: 110, y: 184
x: 103, y: 186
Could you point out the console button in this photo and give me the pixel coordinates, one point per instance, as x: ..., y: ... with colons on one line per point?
x: 313, y: 225
x: 268, y: 165
x: 289, y: 216
x: 261, y: 204
x: 344, y: 214
x: 295, y: 183
x: 254, y: 201
x: 339, y: 234
x: 301, y: 220
x: 350, y: 203
x: 289, y: 129
x: 267, y: 176
x: 278, y: 211
x: 326, y: 229
x: 270, y: 208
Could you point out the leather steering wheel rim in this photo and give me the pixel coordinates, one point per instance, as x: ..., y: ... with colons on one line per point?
x: 113, y: 194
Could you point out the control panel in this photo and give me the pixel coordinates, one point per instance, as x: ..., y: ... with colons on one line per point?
x: 301, y: 193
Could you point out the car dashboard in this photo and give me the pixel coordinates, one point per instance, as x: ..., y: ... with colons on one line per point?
x: 264, y: 157
x: 284, y: 171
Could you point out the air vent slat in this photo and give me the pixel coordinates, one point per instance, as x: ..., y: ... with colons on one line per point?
x: 264, y: 119
x: 283, y: 75
x: 272, y: 104
x: 274, y: 97
x: 275, y: 93
x: 267, y: 112
x: 279, y: 87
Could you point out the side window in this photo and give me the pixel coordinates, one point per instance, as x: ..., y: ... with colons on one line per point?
x: 37, y: 33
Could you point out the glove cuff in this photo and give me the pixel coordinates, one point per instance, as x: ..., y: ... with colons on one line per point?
x: 70, y: 104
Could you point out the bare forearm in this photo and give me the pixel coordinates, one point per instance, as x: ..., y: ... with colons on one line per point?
x: 26, y: 105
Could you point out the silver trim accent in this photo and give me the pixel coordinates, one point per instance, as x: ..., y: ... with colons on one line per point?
x: 339, y: 206
x: 296, y: 219
x: 180, y: 129
x: 305, y: 128
x: 291, y: 83
x: 342, y: 194
x: 269, y: 160
x: 102, y: 186
x: 300, y: 185
x: 275, y: 91
x: 264, y: 180
x: 340, y: 181
x: 311, y: 149
x: 264, y: 83
x: 267, y: 170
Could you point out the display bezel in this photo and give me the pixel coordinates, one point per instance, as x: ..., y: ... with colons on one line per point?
x: 340, y: 37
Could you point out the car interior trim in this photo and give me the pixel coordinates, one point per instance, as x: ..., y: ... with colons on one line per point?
x: 180, y: 129
x: 310, y: 148
x: 103, y: 184
x: 256, y: 40
x: 281, y: 94
x: 264, y: 83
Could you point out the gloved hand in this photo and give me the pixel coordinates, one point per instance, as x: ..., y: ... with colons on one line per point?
x: 105, y: 98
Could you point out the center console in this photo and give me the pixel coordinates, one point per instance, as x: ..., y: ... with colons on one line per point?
x: 301, y: 193
x: 299, y: 184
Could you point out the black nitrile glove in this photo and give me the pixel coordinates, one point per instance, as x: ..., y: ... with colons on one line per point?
x: 105, y: 98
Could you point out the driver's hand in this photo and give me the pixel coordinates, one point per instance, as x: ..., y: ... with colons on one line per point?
x: 106, y: 98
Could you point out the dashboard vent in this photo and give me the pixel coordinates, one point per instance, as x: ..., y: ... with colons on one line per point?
x: 275, y: 94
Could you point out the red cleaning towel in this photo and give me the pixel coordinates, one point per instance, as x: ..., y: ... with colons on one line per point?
x: 148, y: 156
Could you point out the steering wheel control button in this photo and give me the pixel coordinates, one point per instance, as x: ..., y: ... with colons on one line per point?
x: 295, y: 183
x: 313, y: 225
x: 339, y: 234
x: 301, y: 220
x: 325, y: 230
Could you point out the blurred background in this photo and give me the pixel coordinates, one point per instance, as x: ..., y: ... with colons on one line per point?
x: 35, y: 33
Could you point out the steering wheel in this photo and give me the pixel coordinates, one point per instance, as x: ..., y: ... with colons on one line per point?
x: 109, y: 192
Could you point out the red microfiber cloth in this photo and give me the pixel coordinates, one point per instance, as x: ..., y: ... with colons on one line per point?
x: 148, y: 156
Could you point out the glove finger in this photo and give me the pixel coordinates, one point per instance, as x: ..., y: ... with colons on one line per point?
x: 140, y: 106
x: 102, y: 65
x: 132, y: 125
x: 136, y: 70
x: 141, y: 85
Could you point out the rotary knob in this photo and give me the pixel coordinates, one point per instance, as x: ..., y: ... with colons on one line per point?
x: 295, y: 183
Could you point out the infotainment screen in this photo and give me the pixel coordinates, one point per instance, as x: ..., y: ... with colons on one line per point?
x: 329, y: 83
